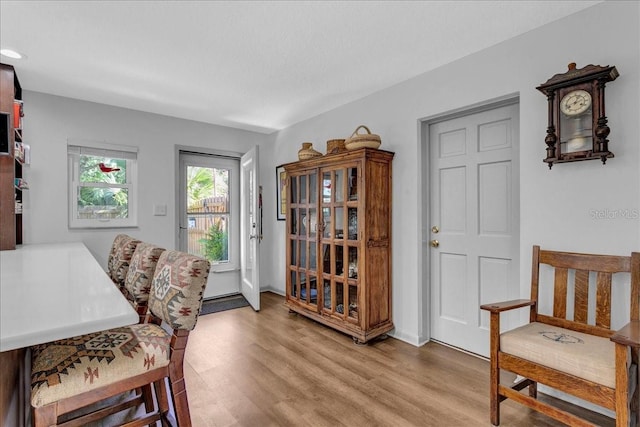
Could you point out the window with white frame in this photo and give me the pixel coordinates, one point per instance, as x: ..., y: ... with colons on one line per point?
x: 102, y: 185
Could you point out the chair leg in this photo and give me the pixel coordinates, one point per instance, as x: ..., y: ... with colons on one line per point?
x: 45, y: 416
x: 179, y: 395
x: 147, y: 397
x: 623, y: 368
x: 494, y: 379
x: 533, y: 390
x: 162, y: 399
x: 635, y: 397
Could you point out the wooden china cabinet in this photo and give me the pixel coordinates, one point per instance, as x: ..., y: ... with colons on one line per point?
x: 339, y: 241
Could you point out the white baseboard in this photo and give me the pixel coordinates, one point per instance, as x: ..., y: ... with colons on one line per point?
x: 405, y: 337
x: 272, y: 289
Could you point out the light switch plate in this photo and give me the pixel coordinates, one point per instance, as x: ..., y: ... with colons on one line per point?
x: 159, y: 210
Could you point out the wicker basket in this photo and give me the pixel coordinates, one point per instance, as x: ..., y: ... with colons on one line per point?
x: 361, y: 140
x: 307, y: 152
x: 335, y: 146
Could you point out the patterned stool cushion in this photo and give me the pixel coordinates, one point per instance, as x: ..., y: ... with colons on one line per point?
x: 68, y: 367
x: 141, y: 269
x: 119, y: 258
x: 177, y: 289
x: 583, y: 355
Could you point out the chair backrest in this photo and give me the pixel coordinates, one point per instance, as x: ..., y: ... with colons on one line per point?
x: 119, y: 257
x: 581, y: 269
x: 177, y: 289
x: 117, y: 241
x: 141, y: 268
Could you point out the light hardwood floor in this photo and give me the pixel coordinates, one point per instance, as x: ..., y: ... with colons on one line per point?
x: 273, y: 368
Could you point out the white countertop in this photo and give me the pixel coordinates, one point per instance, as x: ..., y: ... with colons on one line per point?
x: 54, y: 291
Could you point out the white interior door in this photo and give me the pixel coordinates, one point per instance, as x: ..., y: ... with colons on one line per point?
x: 474, y: 211
x: 250, y: 218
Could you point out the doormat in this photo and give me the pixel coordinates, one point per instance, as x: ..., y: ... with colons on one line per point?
x: 216, y: 305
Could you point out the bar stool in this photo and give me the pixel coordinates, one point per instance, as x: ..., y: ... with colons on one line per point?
x: 136, y: 288
x: 73, y: 373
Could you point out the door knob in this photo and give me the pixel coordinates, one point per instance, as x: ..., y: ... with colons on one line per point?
x: 435, y: 229
x: 434, y: 243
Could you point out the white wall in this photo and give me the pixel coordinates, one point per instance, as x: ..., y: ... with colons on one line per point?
x: 50, y: 120
x: 557, y: 205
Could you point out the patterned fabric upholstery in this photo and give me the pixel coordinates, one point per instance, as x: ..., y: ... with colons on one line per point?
x: 141, y: 269
x: 68, y: 367
x: 119, y: 258
x: 112, y: 253
x: 178, y: 288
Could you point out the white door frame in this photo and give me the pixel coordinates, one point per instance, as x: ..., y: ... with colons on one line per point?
x: 424, y: 291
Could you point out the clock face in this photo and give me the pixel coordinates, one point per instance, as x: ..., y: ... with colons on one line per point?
x: 575, y: 102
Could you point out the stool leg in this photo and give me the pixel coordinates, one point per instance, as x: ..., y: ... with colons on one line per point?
x: 179, y: 395
x: 147, y: 397
x: 45, y: 416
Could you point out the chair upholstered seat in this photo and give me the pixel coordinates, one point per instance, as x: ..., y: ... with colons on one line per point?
x: 586, y: 356
x: 67, y: 367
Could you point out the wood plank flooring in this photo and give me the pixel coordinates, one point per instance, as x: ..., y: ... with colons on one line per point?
x: 273, y: 368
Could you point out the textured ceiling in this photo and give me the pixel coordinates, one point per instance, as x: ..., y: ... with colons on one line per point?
x: 255, y: 65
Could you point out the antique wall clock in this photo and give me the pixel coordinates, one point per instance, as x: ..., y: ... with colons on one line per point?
x: 577, y: 127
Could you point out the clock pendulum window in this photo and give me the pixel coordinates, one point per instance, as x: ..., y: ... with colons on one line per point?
x: 575, y: 126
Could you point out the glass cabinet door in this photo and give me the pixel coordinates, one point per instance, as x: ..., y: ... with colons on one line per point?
x: 302, y: 236
x: 339, y: 242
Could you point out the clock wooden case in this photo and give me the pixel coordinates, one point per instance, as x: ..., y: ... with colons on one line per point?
x: 577, y: 128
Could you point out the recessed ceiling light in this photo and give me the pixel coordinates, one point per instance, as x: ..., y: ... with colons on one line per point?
x: 11, y: 54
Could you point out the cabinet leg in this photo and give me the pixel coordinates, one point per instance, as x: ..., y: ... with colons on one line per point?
x: 292, y: 312
x: 356, y: 341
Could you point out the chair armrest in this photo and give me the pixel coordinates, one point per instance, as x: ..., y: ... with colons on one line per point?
x: 628, y: 335
x: 498, y: 307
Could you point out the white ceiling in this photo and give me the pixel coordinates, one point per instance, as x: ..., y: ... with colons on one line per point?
x: 255, y: 65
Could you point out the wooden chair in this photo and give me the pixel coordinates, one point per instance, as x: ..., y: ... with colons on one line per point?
x: 122, y: 250
x: 71, y: 374
x: 573, y: 349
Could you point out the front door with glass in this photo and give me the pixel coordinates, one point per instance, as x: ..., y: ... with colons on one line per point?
x: 210, y: 217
